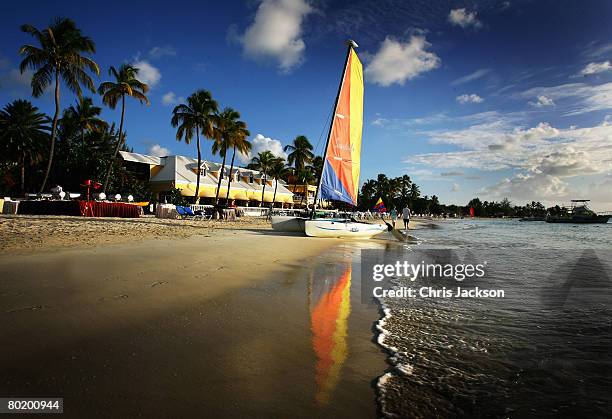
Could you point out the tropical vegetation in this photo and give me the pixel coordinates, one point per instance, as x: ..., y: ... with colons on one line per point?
x: 59, y: 55
x: 195, y: 116
x: 24, y: 131
x: 264, y: 162
x: 126, y: 84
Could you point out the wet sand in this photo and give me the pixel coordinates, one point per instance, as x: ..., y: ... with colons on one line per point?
x: 216, y: 324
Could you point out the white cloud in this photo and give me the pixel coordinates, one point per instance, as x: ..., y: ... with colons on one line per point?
x: 396, y: 61
x: 170, y: 98
x: 471, y: 98
x: 277, y: 32
x: 529, y: 186
x: 495, y: 135
x: 463, y: 18
x: 261, y: 143
x: 596, y: 50
x: 380, y: 122
x: 543, y: 160
x: 159, y: 52
x: 147, y: 73
x: 455, y: 188
x: 15, y: 79
x: 478, y: 74
x: 542, y: 102
x: 159, y: 151
x: 595, y: 68
x: 579, y: 97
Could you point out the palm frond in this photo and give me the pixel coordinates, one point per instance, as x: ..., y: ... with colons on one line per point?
x: 41, y: 79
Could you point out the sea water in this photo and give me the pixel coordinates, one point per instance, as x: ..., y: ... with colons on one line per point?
x: 545, y: 350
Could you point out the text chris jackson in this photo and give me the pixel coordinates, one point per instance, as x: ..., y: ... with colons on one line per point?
x: 429, y: 292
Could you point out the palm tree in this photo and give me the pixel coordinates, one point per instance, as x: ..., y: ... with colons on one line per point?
x: 414, y: 194
x: 317, y: 166
x: 277, y: 171
x: 23, y: 131
x: 263, y: 162
x: 193, y: 117
x: 86, y: 117
x: 239, y: 142
x: 125, y: 83
x: 300, y: 152
x: 225, y: 126
x: 404, y: 184
x: 306, y: 178
x: 58, y: 56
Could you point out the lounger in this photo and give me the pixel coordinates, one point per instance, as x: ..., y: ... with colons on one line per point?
x: 184, y: 214
x: 187, y: 213
x: 200, y: 214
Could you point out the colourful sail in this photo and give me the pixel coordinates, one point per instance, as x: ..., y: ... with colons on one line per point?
x: 340, y: 178
x: 380, y: 206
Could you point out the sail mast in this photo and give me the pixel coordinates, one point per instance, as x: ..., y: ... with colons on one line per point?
x: 351, y: 44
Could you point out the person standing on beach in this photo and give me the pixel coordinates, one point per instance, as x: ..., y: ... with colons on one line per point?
x: 406, y: 216
x: 393, y: 216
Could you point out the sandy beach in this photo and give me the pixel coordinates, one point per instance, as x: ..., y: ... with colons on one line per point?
x: 170, y: 318
x: 28, y: 234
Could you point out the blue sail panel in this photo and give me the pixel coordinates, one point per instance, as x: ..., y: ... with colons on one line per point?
x: 332, y: 188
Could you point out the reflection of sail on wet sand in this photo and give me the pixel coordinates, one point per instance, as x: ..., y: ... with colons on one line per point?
x: 330, y: 307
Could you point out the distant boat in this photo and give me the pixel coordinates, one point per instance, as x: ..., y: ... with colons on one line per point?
x: 339, y: 180
x: 578, y: 213
x: 533, y: 219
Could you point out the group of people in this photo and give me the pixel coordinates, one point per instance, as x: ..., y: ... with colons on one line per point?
x: 406, y: 213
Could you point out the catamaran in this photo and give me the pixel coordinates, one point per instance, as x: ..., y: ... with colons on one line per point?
x: 339, y: 180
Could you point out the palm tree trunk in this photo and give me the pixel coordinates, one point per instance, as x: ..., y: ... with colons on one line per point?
x: 22, y: 170
x: 221, y: 175
x: 197, y: 191
x: 304, y: 195
x: 263, y: 191
x: 275, y: 188
x: 53, y: 130
x: 229, y: 180
x: 119, y: 143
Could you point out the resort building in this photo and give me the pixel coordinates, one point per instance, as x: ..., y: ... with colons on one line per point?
x: 299, y: 197
x: 246, y: 186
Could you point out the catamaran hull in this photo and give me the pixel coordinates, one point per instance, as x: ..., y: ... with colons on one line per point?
x: 342, y: 229
x: 288, y: 224
x: 599, y: 219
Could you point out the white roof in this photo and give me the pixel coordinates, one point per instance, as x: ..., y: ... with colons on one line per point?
x: 140, y: 158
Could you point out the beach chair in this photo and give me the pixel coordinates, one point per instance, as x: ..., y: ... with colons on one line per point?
x: 185, y: 213
x: 197, y: 214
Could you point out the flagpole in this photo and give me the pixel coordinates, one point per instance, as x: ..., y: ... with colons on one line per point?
x: 351, y: 44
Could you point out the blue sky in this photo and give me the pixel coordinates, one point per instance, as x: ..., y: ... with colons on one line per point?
x: 489, y: 98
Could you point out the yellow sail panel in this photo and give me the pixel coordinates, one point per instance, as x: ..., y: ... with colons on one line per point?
x: 356, y: 117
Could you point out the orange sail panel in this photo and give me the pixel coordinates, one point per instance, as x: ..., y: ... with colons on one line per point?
x: 340, y: 177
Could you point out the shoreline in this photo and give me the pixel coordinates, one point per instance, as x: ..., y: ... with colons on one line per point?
x: 25, y: 234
